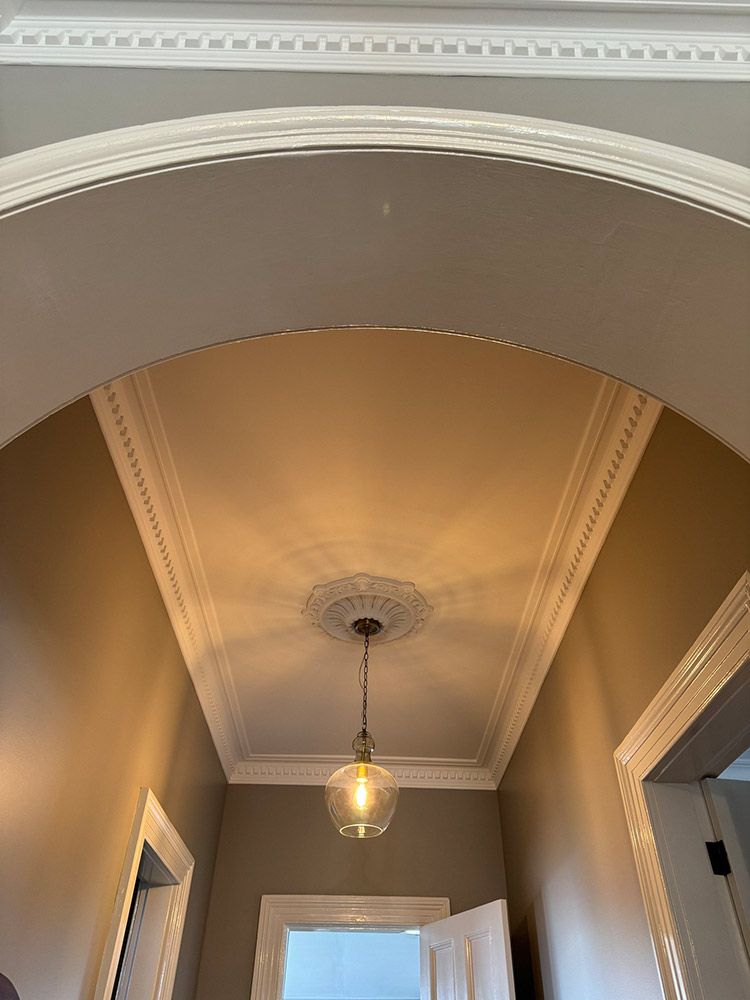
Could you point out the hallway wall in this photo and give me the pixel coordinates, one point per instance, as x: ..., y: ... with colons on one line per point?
x: 279, y: 839
x: 679, y: 544
x: 95, y: 701
x: 43, y: 104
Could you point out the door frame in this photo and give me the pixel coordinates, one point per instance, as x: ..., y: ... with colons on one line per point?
x: 151, y: 826
x: 667, y: 742
x: 280, y: 914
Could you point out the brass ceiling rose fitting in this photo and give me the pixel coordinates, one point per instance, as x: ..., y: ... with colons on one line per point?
x: 347, y: 608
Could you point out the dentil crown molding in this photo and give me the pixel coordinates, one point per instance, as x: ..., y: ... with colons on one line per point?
x: 618, y: 432
x: 629, y: 39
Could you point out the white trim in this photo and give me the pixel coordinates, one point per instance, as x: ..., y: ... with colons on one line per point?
x: 385, y: 38
x: 721, y: 650
x: 132, y: 429
x: 151, y: 826
x: 65, y: 168
x: 279, y: 914
x: 619, y: 430
x: 266, y: 769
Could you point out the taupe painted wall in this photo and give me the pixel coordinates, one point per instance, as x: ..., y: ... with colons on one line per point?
x: 96, y: 701
x: 279, y: 839
x: 679, y: 544
x: 42, y: 104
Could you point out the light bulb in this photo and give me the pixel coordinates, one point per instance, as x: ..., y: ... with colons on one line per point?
x: 360, y: 796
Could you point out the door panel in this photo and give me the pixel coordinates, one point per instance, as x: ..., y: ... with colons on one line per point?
x: 467, y: 956
x: 729, y: 806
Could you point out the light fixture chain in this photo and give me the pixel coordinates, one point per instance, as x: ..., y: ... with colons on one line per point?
x: 365, y: 669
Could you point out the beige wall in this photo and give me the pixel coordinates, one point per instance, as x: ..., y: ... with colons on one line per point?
x: 277, y: 839
x: 679, y: 544
x: 96, y: 701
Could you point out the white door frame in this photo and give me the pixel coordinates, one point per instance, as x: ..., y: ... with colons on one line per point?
x: 280, y: 914
x: 668, y: 727
x: 50, y: 361
x: 151, y: 826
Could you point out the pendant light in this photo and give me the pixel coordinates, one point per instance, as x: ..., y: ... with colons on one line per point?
x: 361, y: 797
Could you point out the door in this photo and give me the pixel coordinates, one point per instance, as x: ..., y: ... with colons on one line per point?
x: 467, y: 956
x: 729, y: 806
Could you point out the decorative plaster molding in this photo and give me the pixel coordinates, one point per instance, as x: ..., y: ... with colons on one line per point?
x: 398, y: 606
x: 383, y: 38
x: 65, y: 168
x: 715, y: 659
x: 131, y: 426
x: 619, y: 431
x: 262, y: 769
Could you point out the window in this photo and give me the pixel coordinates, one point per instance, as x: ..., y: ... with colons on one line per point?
x: 343, y: 964
x: 345, y: 927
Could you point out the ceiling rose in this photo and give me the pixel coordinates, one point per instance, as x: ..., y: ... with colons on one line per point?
x: 396, y: 605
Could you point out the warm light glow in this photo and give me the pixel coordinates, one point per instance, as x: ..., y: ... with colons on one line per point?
x: 360, y: 796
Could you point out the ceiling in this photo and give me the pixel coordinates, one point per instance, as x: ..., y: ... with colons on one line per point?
x: 286, y: 462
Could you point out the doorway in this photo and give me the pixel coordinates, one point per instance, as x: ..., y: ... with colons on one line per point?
x: 689, y: 824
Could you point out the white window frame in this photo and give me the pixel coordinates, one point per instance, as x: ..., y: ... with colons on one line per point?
x: 280, y: 914
x: 671, y: 723
x: 151, y: 826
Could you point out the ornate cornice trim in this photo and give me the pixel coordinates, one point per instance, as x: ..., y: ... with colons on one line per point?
x: 387, y: 38
x: 132, y: 429
x: 263, y: 769
x: 619, y: 431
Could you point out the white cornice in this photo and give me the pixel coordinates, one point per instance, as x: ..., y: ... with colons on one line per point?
x: 618, y: 435
x: 126, y: 415
x: 619, y: 431
x: 657, y: 41
x: 263, y: 769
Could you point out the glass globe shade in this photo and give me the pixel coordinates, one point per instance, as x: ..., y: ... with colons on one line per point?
x: 361, y: 798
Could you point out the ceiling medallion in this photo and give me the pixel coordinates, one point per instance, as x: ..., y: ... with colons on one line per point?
x: 397, y: 607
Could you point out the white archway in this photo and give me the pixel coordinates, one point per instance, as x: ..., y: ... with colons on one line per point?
x: 622, y: 254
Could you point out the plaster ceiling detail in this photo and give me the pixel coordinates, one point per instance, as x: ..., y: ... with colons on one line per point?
x: 630, y: 39
x: 496, y: 502
x: 396, y: 605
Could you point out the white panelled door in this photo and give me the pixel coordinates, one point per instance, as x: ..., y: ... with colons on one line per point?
x: 467, y: 956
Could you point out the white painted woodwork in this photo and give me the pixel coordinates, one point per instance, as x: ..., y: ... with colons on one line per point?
x: 654, y: 41
x: 467, y: 956
x: 280, y: 913
x: 729, y: 807
x: 166, y: 914
x: 220, y: 411
x: 715, y: 957
x: 704, y: 683
x: 665, y: 199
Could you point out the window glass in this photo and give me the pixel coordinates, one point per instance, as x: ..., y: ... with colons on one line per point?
x: 352, y: 965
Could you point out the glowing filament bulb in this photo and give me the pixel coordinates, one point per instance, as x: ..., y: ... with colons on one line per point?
x: 360, y: 796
